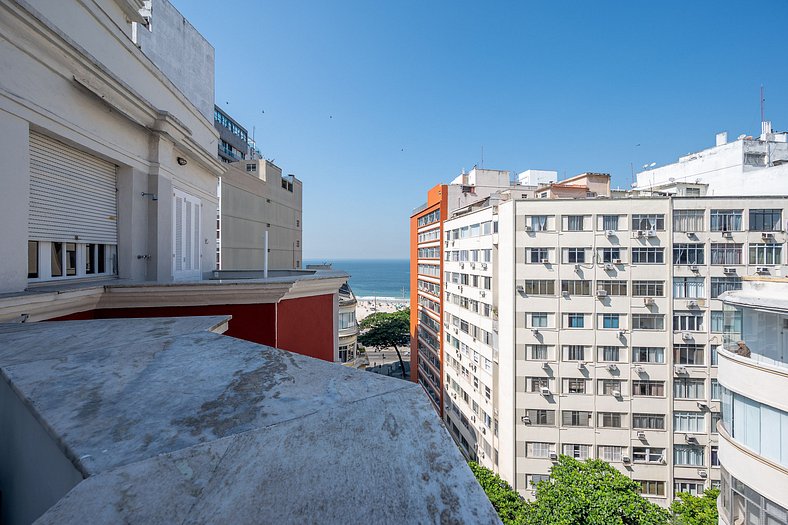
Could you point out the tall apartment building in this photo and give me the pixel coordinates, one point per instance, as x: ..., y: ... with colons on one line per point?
x: 753, y: 375
x: 426, y: 265
x: 590, y: 327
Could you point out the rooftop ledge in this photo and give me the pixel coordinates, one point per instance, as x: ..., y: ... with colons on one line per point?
x: 165, y: 420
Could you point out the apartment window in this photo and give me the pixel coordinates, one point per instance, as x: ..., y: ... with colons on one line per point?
x: 575, y: 418
x: 648, y: 255
x: 540, y: 417
x: 608, y: 386
x: 57, y: 259
x: 610, y: 453
x: 686, y: 388
x: 690, y: 487
x: 647, y: 454
x: 574, y: 386
x: 648, y: 388
x: 648, y: 322
x: 536, y: 384
x: 652, y: 488
x: 576, y: 287
x: 648, y: 354
x: 539, y: 287
x: 537, y: 352
x: 538, y: 223
x: 688, y: 455
x: 688, y: 220
x: 687, y: 321
x: 726, y: 220
x: 533, y: 479
x: 611, y: 321
x: 610, y: 222
x: 689, y: 422
x: 688, y: 354
x: 575, y: 223
x: 611, y: 255
x: 648, y: 222
x: 724, y: 284
x: 648, y: 422
x: 689, y: 287
x: 32, y: 259
x: 715, y: 456
x: 725, y: 253
x: 766, y: 253
x: 539, y: 320
x: 575, y: 255
x: 575, y: 320
x: 611, y: 419
x: 609, y: 354
x: 251, y: 168
x: 685, y: 253
x: 574, y: 353
x: 612, y: 287
x: 648, y: 288
x: 577, y: 451
x: 716, y: 392
x: 539, y: 450
x: 765, y: 220
x: 538, y: 255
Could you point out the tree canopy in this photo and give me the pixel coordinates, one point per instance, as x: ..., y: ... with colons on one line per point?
x: 384, y: 330
x: 696, y: 510
x: 506, y: 501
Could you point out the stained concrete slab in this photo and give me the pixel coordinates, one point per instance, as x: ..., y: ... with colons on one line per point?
x: 196, y: 427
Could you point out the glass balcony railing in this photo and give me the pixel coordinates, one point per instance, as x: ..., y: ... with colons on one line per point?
x: 759, y: 335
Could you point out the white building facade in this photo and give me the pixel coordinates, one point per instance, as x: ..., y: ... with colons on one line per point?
x: 603, y: 331
x: 753, y: 374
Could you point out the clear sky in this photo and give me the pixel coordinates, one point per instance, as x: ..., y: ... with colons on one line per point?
x: 371, y: 103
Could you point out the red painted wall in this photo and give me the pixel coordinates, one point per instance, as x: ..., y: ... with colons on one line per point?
x: 304, y: 325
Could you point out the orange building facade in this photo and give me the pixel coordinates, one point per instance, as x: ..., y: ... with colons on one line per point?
x: 426, y: 285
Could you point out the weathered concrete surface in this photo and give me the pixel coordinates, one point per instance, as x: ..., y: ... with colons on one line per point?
x: 194, y: 427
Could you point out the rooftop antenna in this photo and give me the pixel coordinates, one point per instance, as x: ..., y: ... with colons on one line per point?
x: 763, y: 101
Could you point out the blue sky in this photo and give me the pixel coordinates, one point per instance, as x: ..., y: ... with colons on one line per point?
x: 372, y: 103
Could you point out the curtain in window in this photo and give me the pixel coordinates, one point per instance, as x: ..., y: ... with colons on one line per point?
x: 610, y: 222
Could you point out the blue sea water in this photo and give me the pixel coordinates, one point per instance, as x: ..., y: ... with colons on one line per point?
x: 374, y: 277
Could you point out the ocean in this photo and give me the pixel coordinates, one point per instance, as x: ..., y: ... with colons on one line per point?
x: 382, y: 278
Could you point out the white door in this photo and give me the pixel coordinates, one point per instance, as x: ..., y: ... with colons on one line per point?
x: 186, y: 251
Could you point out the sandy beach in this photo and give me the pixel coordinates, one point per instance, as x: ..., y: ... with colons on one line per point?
x: 367, y: 306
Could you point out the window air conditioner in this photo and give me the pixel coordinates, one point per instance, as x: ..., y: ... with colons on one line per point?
x: 681, y: 370
x: 609, y: 266
x: 766, y: 235
x: 702, y: 405
x: 482, y: 293
x: 762, y: 269
x: 473, y: 265
x: 648, y: 301
x: 535, y: 331
x: 601, y: 293
x: 610, y: 233
x: 703, y: 473
x: 639, y: 369
x: 544, y: 391
x: 652, y: 233
x: 686, y: 336
x: 621, y: 333
x: 462, y: 265
x: 581, y: 365
x: 553, y: 456
x: 625, y: 459
x: 692, y: 304
x: 546, y: 366
x: 520, y: 289
x: 692, y: 440
x: 484, y: 266
x: 577, y: 266
x: 616, y: 261
x: 526, y: 420
x: 545, y: 261
x: 640, y: 233
x: 693, y: 268
x: 727, y: 235
x: 641, y: 435
x: 690, y: 234
x: 616, y: 393
x: 729, y: 270
x: 528, y: 227
x: 612, y: 367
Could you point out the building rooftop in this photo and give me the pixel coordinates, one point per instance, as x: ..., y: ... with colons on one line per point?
x: 169, y: 421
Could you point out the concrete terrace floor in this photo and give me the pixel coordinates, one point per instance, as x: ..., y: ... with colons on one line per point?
x: 166, y: 421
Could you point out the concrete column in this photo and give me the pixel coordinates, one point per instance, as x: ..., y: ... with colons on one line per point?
x: 160, y: 211
x: 14, y: 201
x: 133, y: 224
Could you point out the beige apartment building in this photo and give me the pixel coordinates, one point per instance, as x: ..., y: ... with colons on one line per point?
x: 590, y: 327
x: 256, y: 198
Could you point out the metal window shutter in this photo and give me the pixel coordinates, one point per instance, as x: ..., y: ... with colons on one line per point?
x: 72, y: 194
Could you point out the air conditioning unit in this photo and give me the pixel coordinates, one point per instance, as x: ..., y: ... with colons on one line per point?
x: 482, y: 293
x: 565, y: 293
x: 622, y: 333
x: 577, y: 266
x: 703, y: 474
x: 610, y: 233
x: 520, y: 288
x: 681, y: 370
x: 727, y: 235
x: 616, y: 261
x: 484, y: 266
x: 690, y: 234
x: 473, y: 265
x: 546, y: 366
x: 553, y: 456
x: 462, y: 265
x: 702, y: 405
x: 694, y: 268
x: 528, y: 227
x: 691, y: 440
x: 686, y: 336
x: 639, y: 369
x: 581, y: 365
x: 455, y: 330
x: 640, y: 233
x: 641, y: 435
x: 544, y: 391
x: 473, y: 419
x: 612, y: 367
x: 648, y: 301
x: 460, y: 287
x: 762, y: 269
x: 601, y: 293
x: 526, y: 420
x: 626, y: 459
x: 535, y: 331
x: 692, y: 304
x: 609, y: 266
x: 446, y: 243
x: 766, y: 235
x: 545, y: 261
x: 652, y: 233
x: 728, y: 270
x: 616, y: 393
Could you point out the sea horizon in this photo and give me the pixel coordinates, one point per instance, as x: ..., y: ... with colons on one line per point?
x: 374, y: 278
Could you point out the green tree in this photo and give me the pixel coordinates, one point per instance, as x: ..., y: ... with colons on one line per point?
x: 383, y: 330
x: 591, y: 493
x: 695, y: 510
x: 507, y: 502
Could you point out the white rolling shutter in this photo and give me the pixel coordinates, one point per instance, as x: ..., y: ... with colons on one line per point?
x: 72, y: 194
x: 186, y: 236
